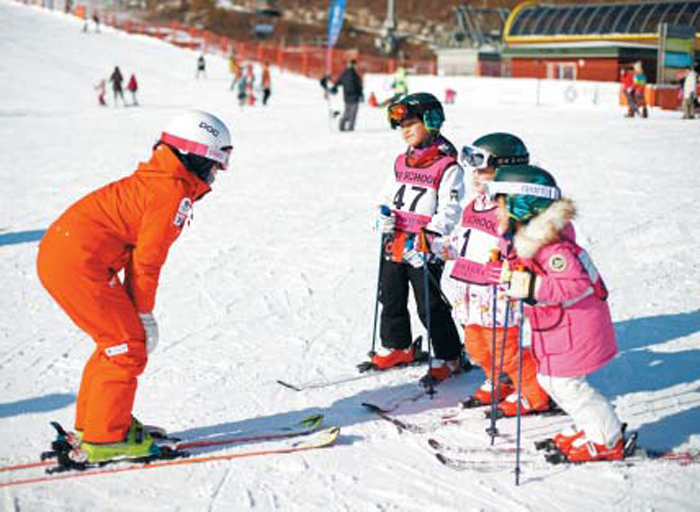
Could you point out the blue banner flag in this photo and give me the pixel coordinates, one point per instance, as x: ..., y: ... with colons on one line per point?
x: 336, y: 14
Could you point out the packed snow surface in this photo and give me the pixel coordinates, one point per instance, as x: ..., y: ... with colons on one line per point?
x: 275, y: 279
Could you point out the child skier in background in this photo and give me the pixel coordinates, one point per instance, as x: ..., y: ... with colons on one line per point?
x: 250, y: 85
x: 242, y: 90
x: 565, y: 297
x: 472, y: 246
x: 133, y: 86
x: 424, y: 192
x: 266, y: 83
x: 100, y: 88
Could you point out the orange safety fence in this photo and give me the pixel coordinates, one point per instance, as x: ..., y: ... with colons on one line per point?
x: 310, y: 61
x: 666, y: 97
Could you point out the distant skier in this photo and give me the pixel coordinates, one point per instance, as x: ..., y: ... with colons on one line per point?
x: 266, y: 83
x: 424, y: 191
x: 127, y: 226
x: 100, y: 88
x: 566, y: 305
x: 399, y: 87
x: 640, y: 82
x: 689, y: 91
x: 242, y: 90
x: 627, y: 85
x: 116, y: 78
x: 472, y: 246
x: 201, y: 67
x: 235, y: 69
x: 133, y: 86
x: 353, y: 94
x: 250, y: 85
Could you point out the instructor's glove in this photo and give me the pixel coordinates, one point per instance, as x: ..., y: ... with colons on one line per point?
x: 386, y: 222
x: 151, y: 328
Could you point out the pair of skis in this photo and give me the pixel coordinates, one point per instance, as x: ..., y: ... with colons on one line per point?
x: 463, y: 458
x: 306, y: 435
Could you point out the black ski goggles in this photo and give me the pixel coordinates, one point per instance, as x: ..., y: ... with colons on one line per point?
x: 478, y: 158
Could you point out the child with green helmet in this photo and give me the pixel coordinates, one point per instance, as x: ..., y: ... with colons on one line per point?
x: 489, y: 317
x: 566, y: 305
x: 423, y: 193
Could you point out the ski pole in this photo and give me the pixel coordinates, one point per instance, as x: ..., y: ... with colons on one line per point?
x: 385, y: 210
x: 423, y: 247
x: 491, y: 430
x: 496, y: 399
x: 437, y: 286
x: 520, y: 382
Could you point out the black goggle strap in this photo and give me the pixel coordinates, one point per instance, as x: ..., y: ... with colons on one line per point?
x: 478, y: 158
x: 498, y: 161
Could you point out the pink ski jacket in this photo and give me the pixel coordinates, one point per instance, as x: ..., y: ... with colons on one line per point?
x: 572, y: 330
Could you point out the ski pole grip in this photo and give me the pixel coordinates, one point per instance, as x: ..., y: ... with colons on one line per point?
x: 494, y: 255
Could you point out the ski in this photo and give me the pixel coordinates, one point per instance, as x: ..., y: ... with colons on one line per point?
x: 399, y: 424
x: 303, y: 427
x: 554, y: 410
x: 477, y: 459
x: 321, y: 439
x: 366, y: 374
x: 468, y: 450
x: 483, y: 464
x: 366, y: 370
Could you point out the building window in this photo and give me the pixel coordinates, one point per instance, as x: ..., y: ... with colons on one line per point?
x: 561, y: 70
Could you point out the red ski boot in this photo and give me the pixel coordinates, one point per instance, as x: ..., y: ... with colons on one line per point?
x: 384, y: 361
x: 583, y: 450
x: 564, y: 439
x: 508, y: 408
x: 439, y: 371
x: 482, y: 396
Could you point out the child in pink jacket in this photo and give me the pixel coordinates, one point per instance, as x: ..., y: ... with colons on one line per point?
x: 572, y: 330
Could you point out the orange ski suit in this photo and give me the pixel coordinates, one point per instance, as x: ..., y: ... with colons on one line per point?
x: 478, y: 341
x: 127, y: 225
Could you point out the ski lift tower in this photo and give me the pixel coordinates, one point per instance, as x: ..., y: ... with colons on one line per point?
x: 389, y: 42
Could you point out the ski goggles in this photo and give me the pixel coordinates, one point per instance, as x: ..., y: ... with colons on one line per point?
x: 221, y: 156
x: 478, y: 158
x: 511, y: 188
x: 399, y: 112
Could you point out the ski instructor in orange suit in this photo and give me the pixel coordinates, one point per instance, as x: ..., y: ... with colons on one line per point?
x: 127, y: 225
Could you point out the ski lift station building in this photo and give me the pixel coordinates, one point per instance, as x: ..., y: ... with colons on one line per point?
x: 598, y: 41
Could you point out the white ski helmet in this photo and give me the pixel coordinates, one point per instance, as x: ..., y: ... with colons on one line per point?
x: 199, y: 133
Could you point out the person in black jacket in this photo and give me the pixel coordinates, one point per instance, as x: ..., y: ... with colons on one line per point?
x: 351, y: 82
x: 117, y: 78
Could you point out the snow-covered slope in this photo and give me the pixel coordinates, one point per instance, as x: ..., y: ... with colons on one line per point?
x: 275, y: 278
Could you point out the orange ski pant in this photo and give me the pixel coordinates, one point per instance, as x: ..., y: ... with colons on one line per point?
x: 94, y: 298
x: 478, y: 342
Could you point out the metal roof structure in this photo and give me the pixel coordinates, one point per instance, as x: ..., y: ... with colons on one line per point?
x: 531, y: 20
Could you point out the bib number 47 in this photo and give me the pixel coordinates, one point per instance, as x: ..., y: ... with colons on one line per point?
x: 400, y: 199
